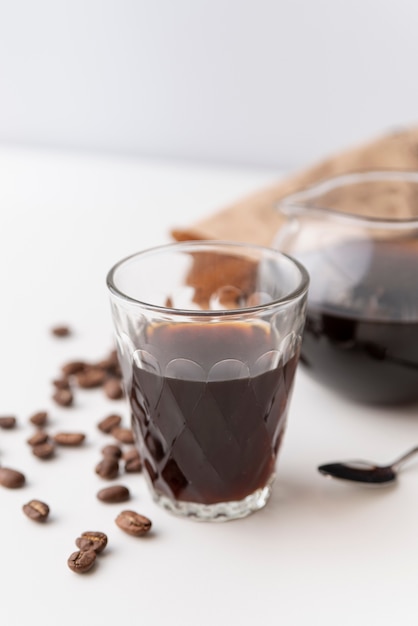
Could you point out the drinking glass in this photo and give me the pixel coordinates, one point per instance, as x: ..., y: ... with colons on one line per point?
x: 208, y: 336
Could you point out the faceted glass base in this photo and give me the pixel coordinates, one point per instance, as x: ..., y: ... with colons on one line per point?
x: 220, y: 512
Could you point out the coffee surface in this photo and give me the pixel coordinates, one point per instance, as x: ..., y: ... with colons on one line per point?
x: 361, y: 333
x: 209, y: 427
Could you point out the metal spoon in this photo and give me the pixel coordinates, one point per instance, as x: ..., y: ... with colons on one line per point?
x: 365, y: 472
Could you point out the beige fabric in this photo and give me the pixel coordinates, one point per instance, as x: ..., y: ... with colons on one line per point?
x: 255, y: 219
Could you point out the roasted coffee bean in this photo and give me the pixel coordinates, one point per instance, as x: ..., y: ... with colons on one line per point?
x: 61, y: 331
x: 10, y: 478
x: 69, y: 439
x: 36, y: 510
x: 117, y: 372
x: 108, y: 468
x: 113, y: 355
x: 84, y: 544
x: 109, y: 363
x: 92, y: 540
x: 73, y: 367
x: 115, y: 493
x: 133, y: 466
x: 133, y: 523
x: 108, y: 366
x: 108, y: 423
x: 61, y: 383
x: 130, y: 453
x: 104, y: 364
x: 90, y: 377
x: 44, y: 450
x: 113, y: 389
x: 63, y: 397
x: 112, y: 451
x: 81, y: 562
x: 7, y: 422
x: 124, y: 435
x: 39, y: 437
x: 39, y: 419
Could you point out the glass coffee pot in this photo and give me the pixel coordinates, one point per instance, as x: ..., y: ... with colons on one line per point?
x: 357, y: 235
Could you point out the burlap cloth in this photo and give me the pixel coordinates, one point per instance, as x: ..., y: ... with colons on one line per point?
x: 255, y: 219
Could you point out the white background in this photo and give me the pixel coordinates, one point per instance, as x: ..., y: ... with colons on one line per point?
x: 264, y: 82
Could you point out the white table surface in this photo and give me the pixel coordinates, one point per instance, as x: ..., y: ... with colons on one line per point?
x: 321, y: 552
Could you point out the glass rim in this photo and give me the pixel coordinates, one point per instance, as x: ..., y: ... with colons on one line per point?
x: 292, y: 296
x: 297, y: 202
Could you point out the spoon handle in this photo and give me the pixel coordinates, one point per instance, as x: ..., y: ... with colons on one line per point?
x: 401, y: 460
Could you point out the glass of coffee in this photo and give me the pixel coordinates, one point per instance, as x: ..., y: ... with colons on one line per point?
x: 357, y: 235
x: 208, y: 336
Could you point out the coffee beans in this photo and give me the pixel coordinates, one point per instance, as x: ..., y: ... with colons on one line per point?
x: 113, y: 494
x: 36, y: 510
x: 41, y: 445
x: 132, y: 460
x: 7, y: 422
x: 90, y: 544
x: 61, y: 383
x: 44, y: 450
x: 110, y: 363
x: 92, y: 540
x: 81, y: 561
x: 133, y: 523
x: 63, y: 397
x: 130, y: 453
x: 108, y: 468
x: 73, y: 367
x: 105, y: 373
x: 39, y: 419
x: 112, y: 451
x: 110, y: 422
x: 133, y: 466
x: 10, y: 478
x: 39, y: 437
x: 61, y: 331
x: 113, y: 389
x: 69, y: 439
x: 90, y: 377
x: 124, y: 435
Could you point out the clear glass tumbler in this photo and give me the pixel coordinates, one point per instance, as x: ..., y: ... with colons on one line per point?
x: 208, y: 336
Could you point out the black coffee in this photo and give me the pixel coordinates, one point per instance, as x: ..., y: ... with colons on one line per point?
x: 365, y: 343
x: 210, y: 440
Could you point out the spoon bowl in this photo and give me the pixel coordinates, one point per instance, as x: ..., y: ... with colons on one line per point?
x: 365, y: 472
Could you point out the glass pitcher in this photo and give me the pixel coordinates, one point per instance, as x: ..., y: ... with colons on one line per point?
x: 357, y: 235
